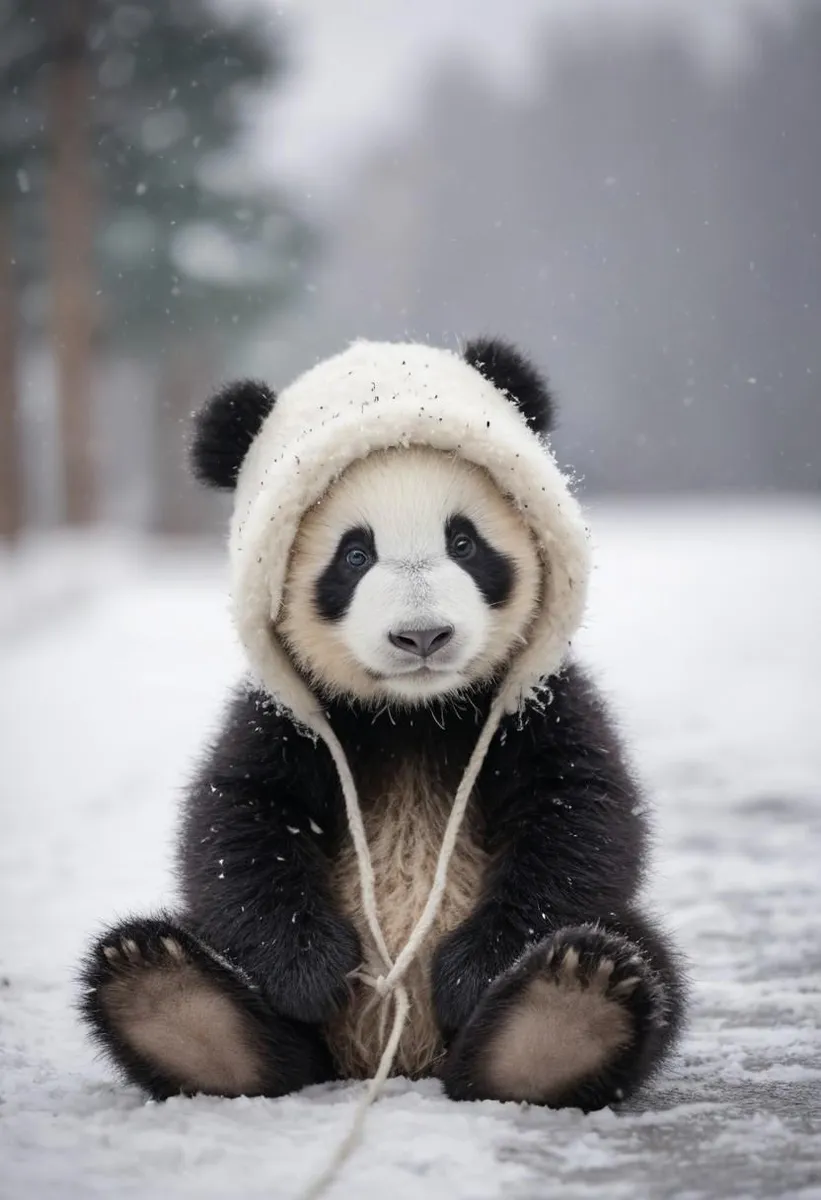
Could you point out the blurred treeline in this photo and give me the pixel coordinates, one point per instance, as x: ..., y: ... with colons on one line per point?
x: 643, y: 217
x: 133, y: 250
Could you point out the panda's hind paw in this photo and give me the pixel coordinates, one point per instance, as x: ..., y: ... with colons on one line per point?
x: 574, y: 1023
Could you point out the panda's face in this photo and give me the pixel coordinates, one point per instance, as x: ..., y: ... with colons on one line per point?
x: 412, y: 578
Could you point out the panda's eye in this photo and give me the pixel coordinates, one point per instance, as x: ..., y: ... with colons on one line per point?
x: 462, y: 546
x: 357, y: 558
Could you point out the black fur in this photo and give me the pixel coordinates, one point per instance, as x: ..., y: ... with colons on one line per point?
x: 258, y: 831
x: 509, y: 371
x: 561, y: 817
x: 224, y: 429
x: 336, y: 585
x: 491, y: 571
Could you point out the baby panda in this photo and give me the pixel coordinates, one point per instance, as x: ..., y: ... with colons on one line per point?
x: 408, y: 567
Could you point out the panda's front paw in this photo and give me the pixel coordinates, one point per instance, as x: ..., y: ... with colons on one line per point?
x: 308, y: 976
x: 466, y: 963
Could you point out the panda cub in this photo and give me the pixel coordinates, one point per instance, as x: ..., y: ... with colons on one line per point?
x: 408, y: 568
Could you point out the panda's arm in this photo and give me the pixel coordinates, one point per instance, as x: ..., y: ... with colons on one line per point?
x: 565, y: 830
x: 259, y: 826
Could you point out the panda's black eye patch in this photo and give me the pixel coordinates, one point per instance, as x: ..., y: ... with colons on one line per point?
x: 493, y: 572
x: 354, y: 556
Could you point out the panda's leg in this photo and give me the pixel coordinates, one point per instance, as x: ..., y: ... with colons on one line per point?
x: 175, y: 1017
x: 580, y: 1021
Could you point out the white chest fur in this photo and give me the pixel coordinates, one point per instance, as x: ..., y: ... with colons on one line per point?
x: 404, y: 823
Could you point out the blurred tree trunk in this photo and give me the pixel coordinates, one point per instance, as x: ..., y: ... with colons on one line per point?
x: 11, y: 467
x: 70, y: 218
x: 181, y: 507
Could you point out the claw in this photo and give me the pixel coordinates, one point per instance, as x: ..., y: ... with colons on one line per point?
x: 603, y: 971
x: 626, y: 986
x: 131, y: 950
x: 173, y: 949
x: 570, y: 962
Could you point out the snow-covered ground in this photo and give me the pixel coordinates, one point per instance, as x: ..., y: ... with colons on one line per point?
x: 705, y: 628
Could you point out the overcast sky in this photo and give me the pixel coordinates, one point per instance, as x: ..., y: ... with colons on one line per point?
x: 359, y: 67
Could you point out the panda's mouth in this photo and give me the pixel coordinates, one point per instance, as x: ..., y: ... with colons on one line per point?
x: 423, y: 671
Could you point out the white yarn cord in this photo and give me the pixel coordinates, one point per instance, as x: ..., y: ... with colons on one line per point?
x: 360, y: 841
x: 354, y: 1135
x: 391, y: 983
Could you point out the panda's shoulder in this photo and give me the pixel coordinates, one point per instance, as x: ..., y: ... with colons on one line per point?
x: 569, y: 716
x: 576, y: 698
x: 259, y: 738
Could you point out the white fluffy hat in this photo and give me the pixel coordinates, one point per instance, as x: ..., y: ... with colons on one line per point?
x: 282, y: 453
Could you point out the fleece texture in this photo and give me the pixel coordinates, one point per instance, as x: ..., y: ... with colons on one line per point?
x: 377, y: 396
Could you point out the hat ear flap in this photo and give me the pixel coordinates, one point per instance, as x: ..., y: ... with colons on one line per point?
x: 224, y: 429
x: 509, y: 371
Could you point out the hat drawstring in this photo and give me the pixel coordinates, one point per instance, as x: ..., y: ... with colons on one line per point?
x: 390, y: 983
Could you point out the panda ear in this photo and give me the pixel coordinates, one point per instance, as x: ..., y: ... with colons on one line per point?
x: 511, y: 373
x: 224, y: 429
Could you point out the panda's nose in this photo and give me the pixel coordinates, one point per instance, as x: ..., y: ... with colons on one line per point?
x: 421, y: 642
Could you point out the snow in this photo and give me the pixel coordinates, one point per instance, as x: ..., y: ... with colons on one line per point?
x: 705, y: 630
